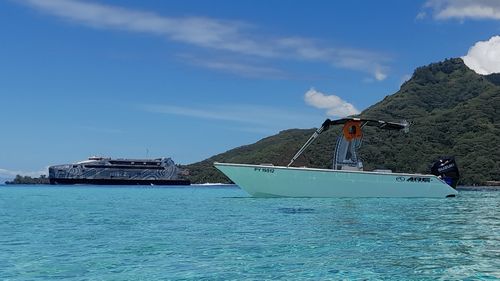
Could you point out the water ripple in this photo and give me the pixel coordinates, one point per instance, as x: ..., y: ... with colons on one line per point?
x: 61, y: 233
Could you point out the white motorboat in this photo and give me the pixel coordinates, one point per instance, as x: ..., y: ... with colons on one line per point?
x: 347, y: 178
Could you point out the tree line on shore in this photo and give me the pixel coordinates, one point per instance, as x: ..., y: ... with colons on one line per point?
x: 42, y: 179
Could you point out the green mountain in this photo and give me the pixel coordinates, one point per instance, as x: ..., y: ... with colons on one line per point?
x: 452, y: 111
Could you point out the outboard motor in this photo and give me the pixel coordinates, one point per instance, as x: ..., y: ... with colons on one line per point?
x: 447, y: 170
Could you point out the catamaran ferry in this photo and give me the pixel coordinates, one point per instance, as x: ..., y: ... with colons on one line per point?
x: 107, y: 171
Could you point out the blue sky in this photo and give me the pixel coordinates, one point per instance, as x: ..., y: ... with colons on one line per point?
x: 190, y: 79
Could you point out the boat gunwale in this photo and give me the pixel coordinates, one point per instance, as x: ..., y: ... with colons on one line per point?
x: 324, y: 170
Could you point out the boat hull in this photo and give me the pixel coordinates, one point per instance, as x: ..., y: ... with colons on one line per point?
x: 277, y: 181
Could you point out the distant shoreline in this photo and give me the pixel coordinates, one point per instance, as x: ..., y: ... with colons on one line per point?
x: 479, y: 188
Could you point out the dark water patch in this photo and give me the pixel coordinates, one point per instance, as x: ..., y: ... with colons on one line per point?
x: 296, y: 210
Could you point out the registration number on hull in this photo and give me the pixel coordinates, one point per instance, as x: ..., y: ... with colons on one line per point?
x: 264, y: 170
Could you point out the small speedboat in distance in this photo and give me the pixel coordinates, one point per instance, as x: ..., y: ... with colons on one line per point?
x: 347, y: 178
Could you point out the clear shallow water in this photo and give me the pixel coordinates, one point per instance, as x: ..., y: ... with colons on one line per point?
x: 95, y: 233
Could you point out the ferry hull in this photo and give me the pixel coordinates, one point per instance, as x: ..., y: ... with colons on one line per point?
x: 277, y: 181
x: 118, y: 181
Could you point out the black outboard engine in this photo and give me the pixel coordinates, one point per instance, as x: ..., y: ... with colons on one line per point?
x: 446, y: 169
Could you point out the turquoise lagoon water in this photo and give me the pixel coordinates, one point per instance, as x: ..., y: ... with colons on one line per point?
x: 98, y: 233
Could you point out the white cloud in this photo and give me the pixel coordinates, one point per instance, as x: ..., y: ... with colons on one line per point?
x: 421, y: 15
x: 265, y: 117
x: 239, y: 68
x: 199, y: 31
x: 334, y: 105
x: 380, y: 75
x: 222, y: 35
x: 462, y: 9
x: 484, y: 56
